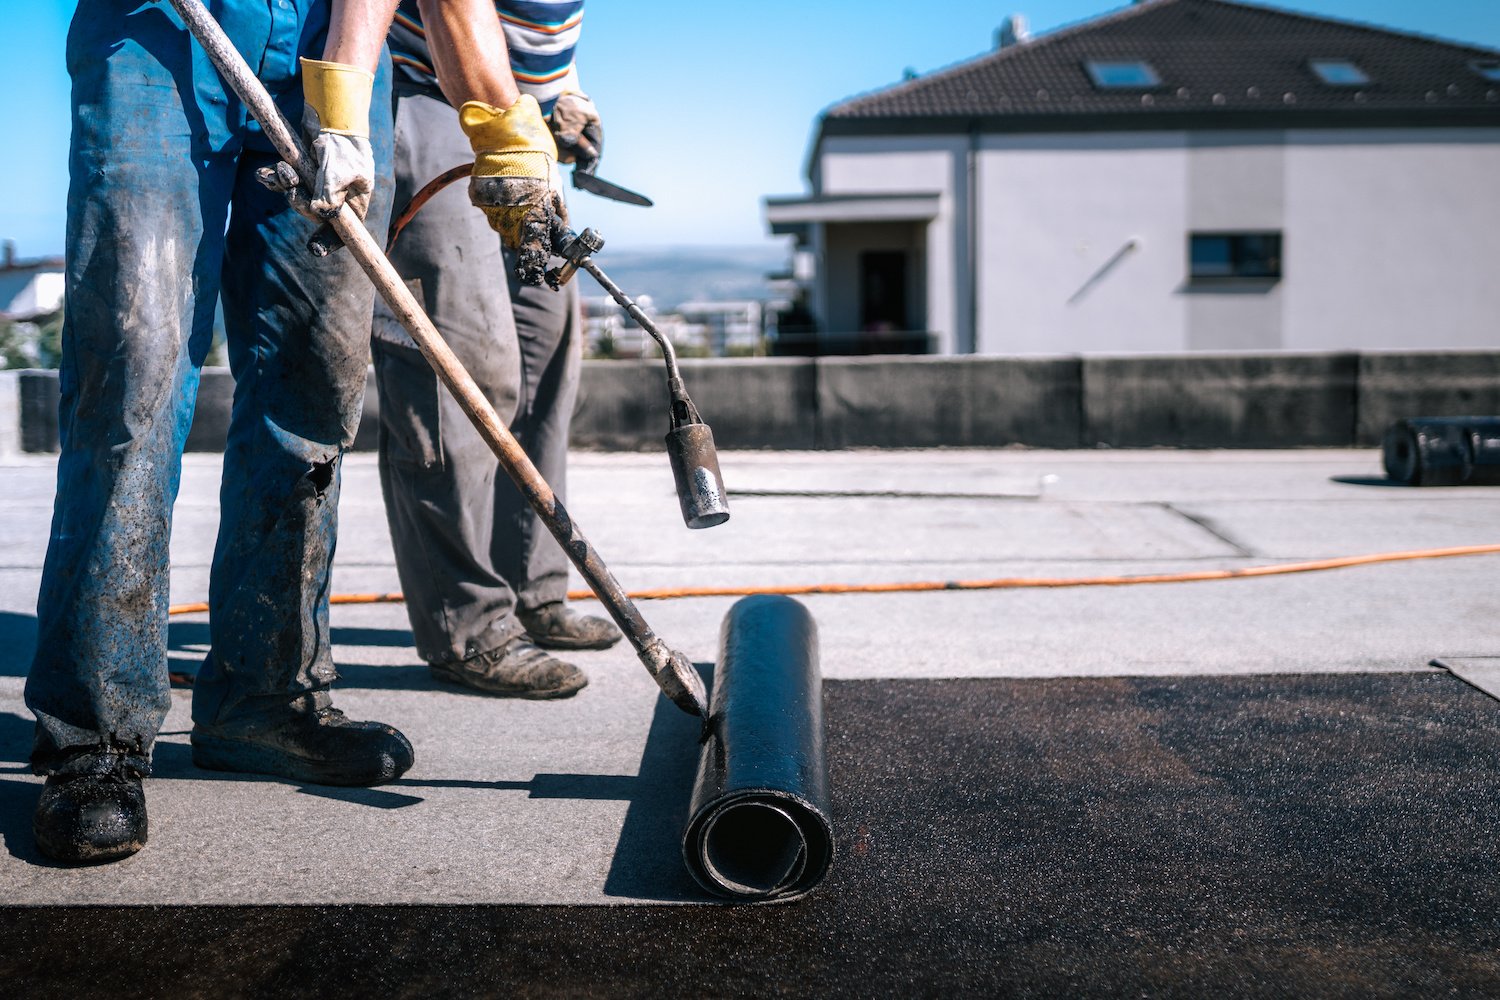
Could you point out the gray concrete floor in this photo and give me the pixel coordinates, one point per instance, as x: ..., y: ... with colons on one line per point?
x: 525, y: 802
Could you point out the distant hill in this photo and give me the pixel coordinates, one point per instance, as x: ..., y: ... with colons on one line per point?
x: 674, y: 275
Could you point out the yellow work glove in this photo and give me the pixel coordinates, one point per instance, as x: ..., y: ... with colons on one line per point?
x: 336, y: 114
x: 516, y: 182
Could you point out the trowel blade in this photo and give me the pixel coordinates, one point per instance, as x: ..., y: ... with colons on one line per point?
x: 604, y: 189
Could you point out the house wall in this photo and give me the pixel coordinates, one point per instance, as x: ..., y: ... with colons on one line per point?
x: 1081, y: 240
x: 1388, y: 240
x: 1234, y: 183
x: 841, y: 252
x: 26, y: 293
x: 878, y: 165
x: 1398, y: 235
x: 1080, y: 243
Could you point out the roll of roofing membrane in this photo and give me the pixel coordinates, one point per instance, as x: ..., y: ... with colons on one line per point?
x: 759, y: 825
x: 1444, y: 451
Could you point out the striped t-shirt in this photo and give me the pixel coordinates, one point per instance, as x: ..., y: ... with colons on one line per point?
x: 541, y: 36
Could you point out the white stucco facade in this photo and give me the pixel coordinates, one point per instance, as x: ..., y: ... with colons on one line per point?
x: 1077, y: 243
x: 30, y: 291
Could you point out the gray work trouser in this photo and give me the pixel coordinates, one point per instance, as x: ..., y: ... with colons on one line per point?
x: 469, y: 549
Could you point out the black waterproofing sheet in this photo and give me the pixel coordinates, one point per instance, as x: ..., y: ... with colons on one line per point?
x: 760, y: 824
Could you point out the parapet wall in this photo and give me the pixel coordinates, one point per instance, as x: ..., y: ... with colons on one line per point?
x: 1181, y: 401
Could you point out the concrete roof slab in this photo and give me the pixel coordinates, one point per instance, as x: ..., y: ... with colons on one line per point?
x: 580, y: 801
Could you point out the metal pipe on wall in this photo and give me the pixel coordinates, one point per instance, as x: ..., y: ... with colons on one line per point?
x: 760, y: 822
x: 970, y: 344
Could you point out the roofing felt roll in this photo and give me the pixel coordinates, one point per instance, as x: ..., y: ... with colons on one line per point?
x: 760, y: 825
x: 1443, y: 451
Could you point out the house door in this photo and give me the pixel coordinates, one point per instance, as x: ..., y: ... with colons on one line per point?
x: 882, y: 291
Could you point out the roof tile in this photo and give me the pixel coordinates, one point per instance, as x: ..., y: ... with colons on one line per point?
x: 1210, y: 55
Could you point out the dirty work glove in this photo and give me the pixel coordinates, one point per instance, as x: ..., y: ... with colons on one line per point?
x: 577, y: 131
x: 337, y: 116
x: 515, y: 181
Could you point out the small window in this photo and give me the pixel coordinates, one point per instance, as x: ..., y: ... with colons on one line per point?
x: 1221, y: 256
x: 1133, y: 74
x: 1487, y: 68
x: 1338, y: 72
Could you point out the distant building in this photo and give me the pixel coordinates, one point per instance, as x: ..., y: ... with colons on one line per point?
x: 1180, y: 175
x: 731, y: 327
x: 610, y: 333
x: 29, y: 289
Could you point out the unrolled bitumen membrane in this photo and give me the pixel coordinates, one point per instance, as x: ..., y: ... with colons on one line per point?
x: 759, y: 825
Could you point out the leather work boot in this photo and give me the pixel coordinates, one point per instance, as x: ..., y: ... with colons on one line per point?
x: 322, y: 747
x: 557, y: 626
x: 92, y: 807
x: 517, y: 669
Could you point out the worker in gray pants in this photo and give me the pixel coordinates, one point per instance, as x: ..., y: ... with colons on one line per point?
x: 484, y: 581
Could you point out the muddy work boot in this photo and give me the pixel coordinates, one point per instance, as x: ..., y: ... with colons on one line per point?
x: 557, y: 626
x: 92, y: 807
x: 321, y: 747
x: 517, y: 669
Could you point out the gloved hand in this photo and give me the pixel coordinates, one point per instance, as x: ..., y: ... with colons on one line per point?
x: 337, y: 115
x: 516, y: 182
x: 577, y: 131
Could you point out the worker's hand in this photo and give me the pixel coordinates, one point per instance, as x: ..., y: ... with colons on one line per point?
x: 577, y: 131
x: 346, y: 174
x: 516, y: 182
x: 337, y: 116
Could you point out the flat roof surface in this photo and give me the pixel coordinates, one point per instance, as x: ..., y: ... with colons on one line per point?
x: 1276, y: 689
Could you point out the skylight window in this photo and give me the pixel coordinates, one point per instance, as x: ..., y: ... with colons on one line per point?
x: 1339, y: 72
x: 1487, y: 68
x: 1128, y: 74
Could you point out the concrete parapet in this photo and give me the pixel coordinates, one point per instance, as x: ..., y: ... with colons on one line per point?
x: 1221, y: 401
x: 1396, y: 386
x: 10, y: 413
x: 620, y: 406
x: 211, y: 411
x: 38, y: 397
x: 768, y: 403
x: 972, y: 402
x: 762, y: 403
x: 37, y: 400
x: 1184, y: 401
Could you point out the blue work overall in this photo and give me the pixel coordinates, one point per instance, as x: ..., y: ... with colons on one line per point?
x: 164, y: 217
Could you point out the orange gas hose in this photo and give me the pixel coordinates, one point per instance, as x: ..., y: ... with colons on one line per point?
x: 1002, y: 583
x: 422, y: 197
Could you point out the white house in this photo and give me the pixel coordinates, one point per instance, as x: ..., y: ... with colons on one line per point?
x: 1180, y: 175
x: 29, y: 288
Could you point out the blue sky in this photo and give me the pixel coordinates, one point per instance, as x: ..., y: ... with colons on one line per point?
x: 707, y: 106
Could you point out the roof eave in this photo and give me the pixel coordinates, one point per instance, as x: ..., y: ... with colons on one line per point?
x: 1155, y: 120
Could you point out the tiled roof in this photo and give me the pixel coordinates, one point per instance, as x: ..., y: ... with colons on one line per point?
x: 1214, y: 59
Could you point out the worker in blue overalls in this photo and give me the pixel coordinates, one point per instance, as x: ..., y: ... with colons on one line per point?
x: 174, y: 202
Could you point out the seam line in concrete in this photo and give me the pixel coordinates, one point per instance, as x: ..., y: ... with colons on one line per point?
x: 819, y: 428
x: 1213, y: 529
x: 882, y: 494
x: 993, y: 561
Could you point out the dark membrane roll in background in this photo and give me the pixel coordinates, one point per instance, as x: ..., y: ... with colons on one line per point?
x: 760, y: 824
x: 1444, y: 451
